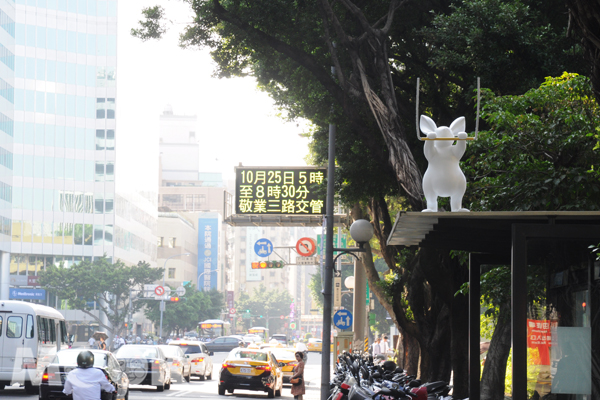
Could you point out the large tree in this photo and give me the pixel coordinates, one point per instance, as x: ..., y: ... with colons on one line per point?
x: 106, y: 284
x: 184, y: 315
x: 538, y: 155
x: 264, y: 308
x: 379, y: 48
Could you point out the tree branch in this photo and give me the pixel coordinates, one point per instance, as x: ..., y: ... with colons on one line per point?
x: 302, y: 58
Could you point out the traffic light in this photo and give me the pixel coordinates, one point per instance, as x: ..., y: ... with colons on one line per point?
x: 267, y: 264
x: 175, y: 299
x: 247, y: 311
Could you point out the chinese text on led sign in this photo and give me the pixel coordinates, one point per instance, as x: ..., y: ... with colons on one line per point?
x: 284, y: 190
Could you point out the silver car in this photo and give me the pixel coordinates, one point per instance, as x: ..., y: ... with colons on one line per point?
x: 199, y: 356
x: 181, y: 366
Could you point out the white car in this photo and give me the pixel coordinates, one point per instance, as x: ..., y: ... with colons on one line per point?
x: 252, y: 338
x: 201, y: 362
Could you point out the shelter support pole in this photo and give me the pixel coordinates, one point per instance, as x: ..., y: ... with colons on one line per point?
x: 476, y: 261
x: 519, y: 311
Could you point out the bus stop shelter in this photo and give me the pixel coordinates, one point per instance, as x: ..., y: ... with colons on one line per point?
x: 559, y: 243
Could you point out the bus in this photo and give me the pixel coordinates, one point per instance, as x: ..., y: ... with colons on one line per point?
x: 30, y: 336
x: 213, y: 328
x: 80, y: 332
x: 260, y: 331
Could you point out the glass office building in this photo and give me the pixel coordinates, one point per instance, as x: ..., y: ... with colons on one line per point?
x: 58, y: 135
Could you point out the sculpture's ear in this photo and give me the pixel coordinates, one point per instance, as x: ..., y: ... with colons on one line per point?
x: 427, y: 125
x: 458, y: 126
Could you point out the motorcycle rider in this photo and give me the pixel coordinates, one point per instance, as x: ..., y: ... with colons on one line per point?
x: 86, y: 382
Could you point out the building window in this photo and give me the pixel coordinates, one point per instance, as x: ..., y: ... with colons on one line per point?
x: 100, y: 139
x: 110, y: 108
x: 99, y: 172
x: 160, y: 241
x: 171, y: 273
x: 172, y: 242
x: 100, y: 108
x: 110, y: 139
x: 173, y: 201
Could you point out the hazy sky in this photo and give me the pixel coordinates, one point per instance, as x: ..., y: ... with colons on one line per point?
x: 236, y: 122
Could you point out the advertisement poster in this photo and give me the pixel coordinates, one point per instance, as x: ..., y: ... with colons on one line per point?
x: 208, y: 252
x: 540, y: 338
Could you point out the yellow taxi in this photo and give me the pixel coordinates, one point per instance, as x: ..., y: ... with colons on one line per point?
x: 315, y: 344
x: 287, y: 361
x: 251, y: 369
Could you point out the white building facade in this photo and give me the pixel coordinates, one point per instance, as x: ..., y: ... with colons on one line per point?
x: 58, y: 138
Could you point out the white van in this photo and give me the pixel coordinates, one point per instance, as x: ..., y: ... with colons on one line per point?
x: 30, y: 336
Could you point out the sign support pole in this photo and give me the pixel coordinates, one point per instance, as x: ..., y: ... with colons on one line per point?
x: 328, y: 273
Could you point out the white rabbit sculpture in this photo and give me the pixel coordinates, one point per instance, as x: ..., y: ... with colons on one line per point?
x: 443, y: 177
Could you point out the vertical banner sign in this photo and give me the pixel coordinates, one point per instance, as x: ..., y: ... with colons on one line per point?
x: 208, y: 251
x: 280, y: 190
x: 230, y: 304
x: 337, y: 290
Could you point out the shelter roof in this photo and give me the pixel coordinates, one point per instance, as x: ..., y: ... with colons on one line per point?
x: 486, y: 232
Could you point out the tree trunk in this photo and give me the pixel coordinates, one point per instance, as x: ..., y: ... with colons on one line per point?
x: 494, y: 370
x: 410, y: 355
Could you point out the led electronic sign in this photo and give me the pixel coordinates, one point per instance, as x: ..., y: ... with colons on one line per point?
x: 280, y: 190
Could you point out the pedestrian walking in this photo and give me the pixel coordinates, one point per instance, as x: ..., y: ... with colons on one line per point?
x: 92, y: 342
x: 297, y: 380
x: 385, y: 347
x: 377, y: 347
x: 102, y: 344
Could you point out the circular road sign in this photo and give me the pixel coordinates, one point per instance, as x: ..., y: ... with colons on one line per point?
x: 159, y: 290
x: 232, y: 311
x: 342, y: 319
x: 263, y: 247
x: 306, y: 247
x: 180, y: 291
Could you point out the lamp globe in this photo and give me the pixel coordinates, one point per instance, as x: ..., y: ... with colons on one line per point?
x: 349, y: 282
x: 361, y: 231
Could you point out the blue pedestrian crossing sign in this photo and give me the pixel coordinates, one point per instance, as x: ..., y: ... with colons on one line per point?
x: 263, y: 247
x: 342, y: 319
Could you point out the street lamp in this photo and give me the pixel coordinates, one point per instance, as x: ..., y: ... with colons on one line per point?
x: 349, y: 282
x: 198, y: 279
x: 162, y: 302
x: 361, y: 231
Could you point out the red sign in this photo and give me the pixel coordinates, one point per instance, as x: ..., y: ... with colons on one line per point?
x: 32, y: 280
x: 539, y: 337
x: 306, y: 247
x: 159, y: 291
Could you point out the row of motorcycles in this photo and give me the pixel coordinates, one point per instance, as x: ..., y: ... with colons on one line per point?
x: 358, y: 377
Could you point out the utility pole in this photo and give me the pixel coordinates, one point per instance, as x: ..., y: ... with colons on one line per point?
x: 328, y: 273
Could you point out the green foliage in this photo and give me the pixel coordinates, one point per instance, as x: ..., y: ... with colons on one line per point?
x: 153, y: 24
x: 184, y: 315
x: 493, y: 38
x: 100, y: 281
x: 315, y: 286
x: 538, y: 152
x: 270, y: 304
